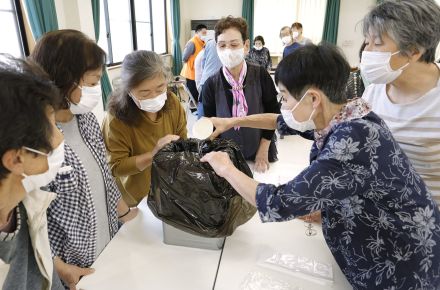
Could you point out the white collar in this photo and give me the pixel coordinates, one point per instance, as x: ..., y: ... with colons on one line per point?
x: 37, y: 202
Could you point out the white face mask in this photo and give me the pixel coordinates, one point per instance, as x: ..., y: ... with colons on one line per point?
x: 204, y: 37
x: 286, y: 40
x: 293, y: 123
x: 295, y: 34
x: 54, y: 160
x: 90, y: 97
x: 258, y: 47
x: 151, y: 105
x: 375, y: 67
x: 231, y: 57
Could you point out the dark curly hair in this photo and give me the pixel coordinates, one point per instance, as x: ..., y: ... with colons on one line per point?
x: 232, y: 22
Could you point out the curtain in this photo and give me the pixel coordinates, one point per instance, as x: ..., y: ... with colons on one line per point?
x: 331, y: 22
x: 311, y: 14
x: 96, y: 17
x: 248, y: 14
x: 42, y: 16
x: 177, y: 52
x: 106, y: 86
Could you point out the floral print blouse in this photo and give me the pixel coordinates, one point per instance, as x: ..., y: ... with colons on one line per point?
x: 378, y: 217
x: 260, y: 57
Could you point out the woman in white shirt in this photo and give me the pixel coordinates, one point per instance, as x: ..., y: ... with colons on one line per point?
x: 401, y: 39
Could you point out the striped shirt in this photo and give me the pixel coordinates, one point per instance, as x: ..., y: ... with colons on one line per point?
x: 416, y: 127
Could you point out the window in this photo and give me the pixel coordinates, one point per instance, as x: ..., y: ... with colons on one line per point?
x: 269, y: 19
x: 13, y: 37
x: 129, y: 25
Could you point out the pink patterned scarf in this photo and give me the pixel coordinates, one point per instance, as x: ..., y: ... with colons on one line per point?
x: 239, y: 105
x: 354, y: 109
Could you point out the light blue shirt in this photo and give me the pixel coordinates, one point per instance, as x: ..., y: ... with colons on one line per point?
x: 210, y: 61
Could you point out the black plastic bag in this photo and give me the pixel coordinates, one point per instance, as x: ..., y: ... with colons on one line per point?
x: 190, y: 196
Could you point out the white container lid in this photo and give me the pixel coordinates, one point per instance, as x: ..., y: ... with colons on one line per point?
x: 202, y: 129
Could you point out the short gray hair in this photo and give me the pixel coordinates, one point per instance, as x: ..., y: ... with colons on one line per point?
x: 410, y: 23
x: 285, y: 28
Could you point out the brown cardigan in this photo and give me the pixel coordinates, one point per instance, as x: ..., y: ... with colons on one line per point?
x: 125, y: 142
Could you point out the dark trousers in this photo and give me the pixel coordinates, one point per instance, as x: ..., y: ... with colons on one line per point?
x: 191, y: 85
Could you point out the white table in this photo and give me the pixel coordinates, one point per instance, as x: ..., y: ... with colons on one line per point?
x: 244, y: 250
x: 137, y: 258
x: 254, y: 240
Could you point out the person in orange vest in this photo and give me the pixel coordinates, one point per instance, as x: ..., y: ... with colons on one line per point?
x: 190, y: 52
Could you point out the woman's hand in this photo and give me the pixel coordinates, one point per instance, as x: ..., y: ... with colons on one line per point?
x: 70, y: 274
x: 262, y: 156
x: 261, y: 162
x: 145, y: 160
x: 313, y: 217
x: 164, y: 141
x: 125, y: 213
x: 221, y: 125
x: 219, y: 161
x: 130, y: 215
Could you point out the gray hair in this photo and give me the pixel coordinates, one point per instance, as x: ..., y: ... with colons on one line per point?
x: 142, y: 65
x: 412, y: 24
x: 284, y: 28
x: 137, y: 66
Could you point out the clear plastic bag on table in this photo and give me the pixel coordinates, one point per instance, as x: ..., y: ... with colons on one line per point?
x: 189, y: 195
x: 298, y: 264
x: 261, y: 281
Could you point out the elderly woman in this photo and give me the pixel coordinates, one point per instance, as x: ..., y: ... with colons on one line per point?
x: 143, y: 117
x: 401, y: 38
x: 259, y: 54
x: 379, y: 219
x: 85, y: 215
x: 290, y: 45
x: 239, y: 89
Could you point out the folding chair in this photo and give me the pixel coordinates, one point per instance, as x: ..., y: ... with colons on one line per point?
x: 175, y: 85
x: 191, y: 103
x: 185, y: 96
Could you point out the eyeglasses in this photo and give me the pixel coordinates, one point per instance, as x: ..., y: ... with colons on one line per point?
x: 35, y: 151
x: 232, y: 44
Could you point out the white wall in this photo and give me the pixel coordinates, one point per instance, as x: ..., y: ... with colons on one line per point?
x: 204, y: 10
x: 350, y: 36
x: 76, y: 15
